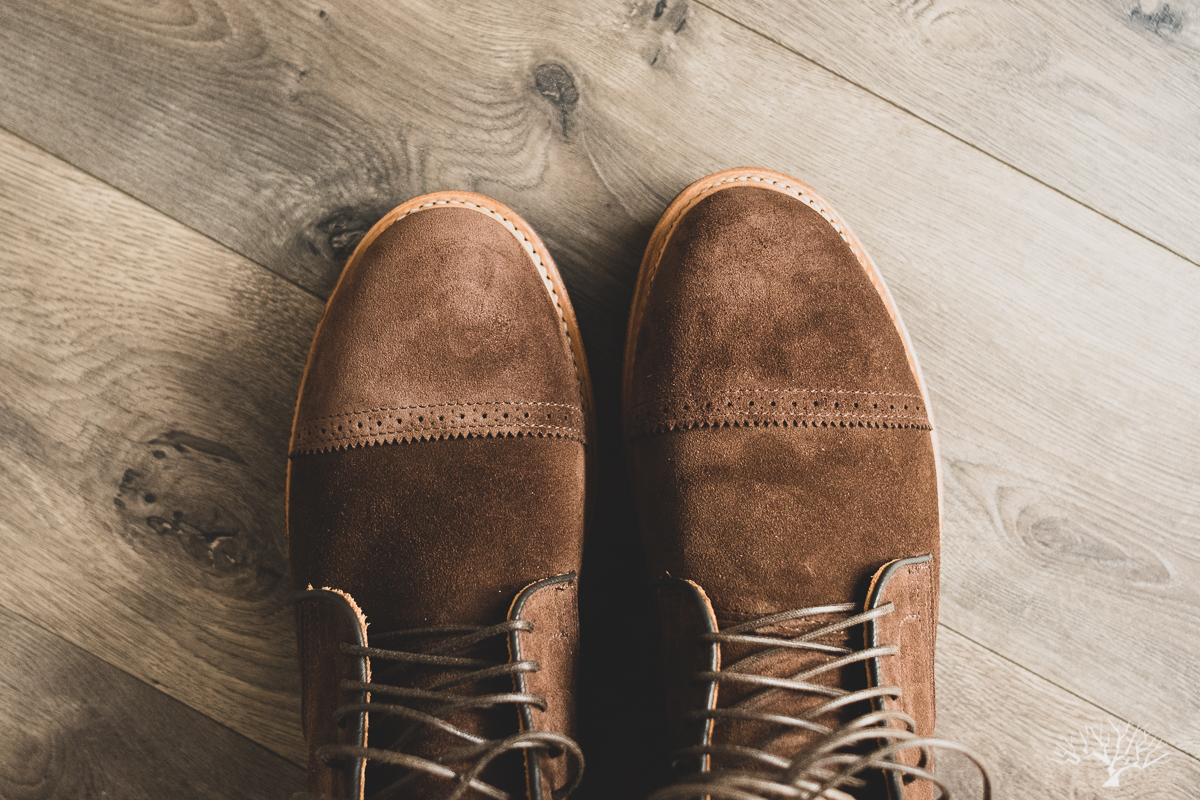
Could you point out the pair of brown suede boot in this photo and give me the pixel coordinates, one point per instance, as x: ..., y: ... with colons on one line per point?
x: 779, y: 442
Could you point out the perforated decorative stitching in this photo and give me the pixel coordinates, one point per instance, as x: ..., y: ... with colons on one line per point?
x: 808, y: 408
x: 449, y: 420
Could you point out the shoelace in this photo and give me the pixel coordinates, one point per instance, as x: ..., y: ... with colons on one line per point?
x: 832, y: 761
x: 476, y: 750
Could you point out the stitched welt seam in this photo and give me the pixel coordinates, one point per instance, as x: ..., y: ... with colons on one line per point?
x: 799, y: 194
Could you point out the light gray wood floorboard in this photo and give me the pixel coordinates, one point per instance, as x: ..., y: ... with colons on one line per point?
x: 76, y: 728
x: 1098, y: 99
x: 148, y: 379
x: 1059, y: 346
x: 140, y: 544
x: 1024, y: 727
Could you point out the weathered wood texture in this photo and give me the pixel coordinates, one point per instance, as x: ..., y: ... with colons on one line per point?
x: 1100, y: 100
x: 1060, y: 347
x: 1017, y: 722
x: 76, y: 728
x: 148, y: 377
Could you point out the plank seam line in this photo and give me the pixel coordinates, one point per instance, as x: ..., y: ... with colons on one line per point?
x: 1062, y: 688
x: 949, y: 133
x: 293, y: 282
x: 160, y: 688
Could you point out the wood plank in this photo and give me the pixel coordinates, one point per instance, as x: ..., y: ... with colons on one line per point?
x: 1031, y: 716
x: 148, y: 376
x: 1017, y: 723
x: 76, y: 727
x: 1058, y: 345
x: 1095, y: 99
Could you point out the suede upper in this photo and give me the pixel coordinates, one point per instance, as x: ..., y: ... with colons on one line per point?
x: 443, y: 328
x: 436, y: 533
x: 777, y: 434
x: 437, y: 459
x: 759, y: 311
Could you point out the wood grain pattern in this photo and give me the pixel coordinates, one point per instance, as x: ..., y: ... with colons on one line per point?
x: 1100, y: 100
x: 148, y: 374
x: 1060, y: 348
x: 75, y: 727
x: 1017, y: 721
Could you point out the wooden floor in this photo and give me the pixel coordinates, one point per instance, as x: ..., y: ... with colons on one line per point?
x: 181, y: 181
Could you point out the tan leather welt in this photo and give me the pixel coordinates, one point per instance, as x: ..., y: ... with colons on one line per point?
x: 424, y: 422
x: 799, y: 407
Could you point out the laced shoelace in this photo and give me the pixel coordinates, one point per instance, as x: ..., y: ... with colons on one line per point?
x: 474, y: 749
x: 834, y: 759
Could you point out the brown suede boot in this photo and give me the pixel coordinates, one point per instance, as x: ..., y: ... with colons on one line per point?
x: 780, y: 442
x: 436, y: 492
